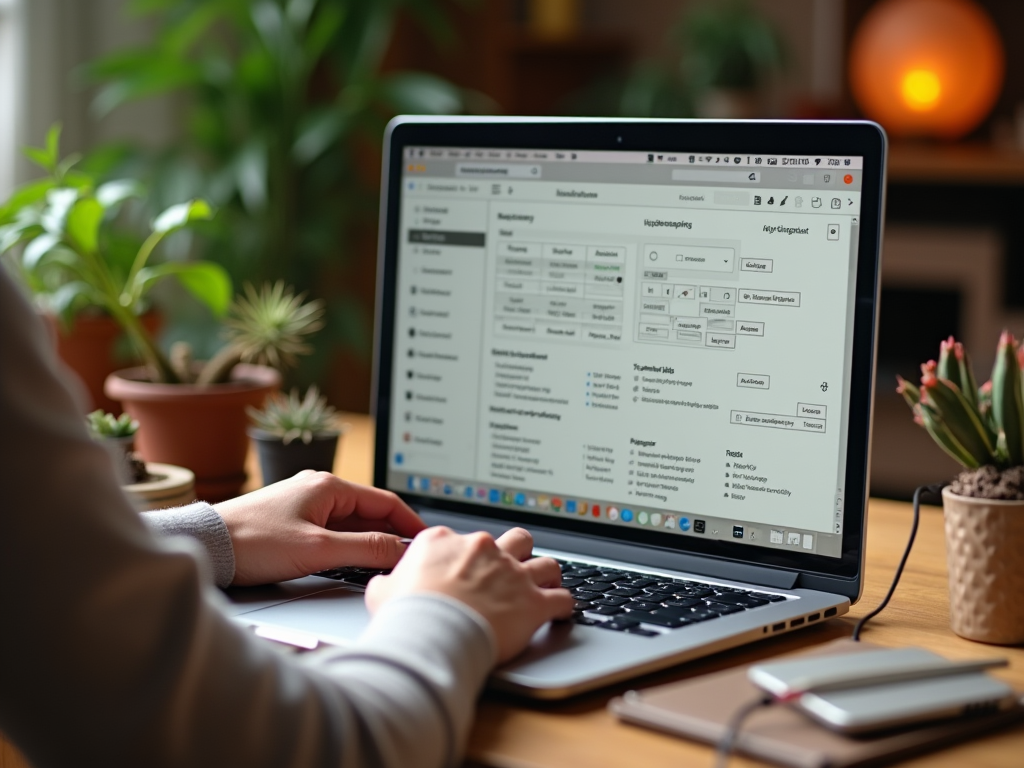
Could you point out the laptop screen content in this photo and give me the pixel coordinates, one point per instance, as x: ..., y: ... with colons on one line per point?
x: 659, y: 341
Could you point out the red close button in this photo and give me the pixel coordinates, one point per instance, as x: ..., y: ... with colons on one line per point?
x: 848, y: 179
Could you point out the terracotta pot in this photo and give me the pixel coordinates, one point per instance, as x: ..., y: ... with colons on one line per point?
x: 198, y: 427
x: 279, y: 461
x: 984, y: 539
x: 89, y: 347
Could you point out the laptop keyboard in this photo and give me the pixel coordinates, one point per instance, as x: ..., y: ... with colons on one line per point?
x: 627, y: 601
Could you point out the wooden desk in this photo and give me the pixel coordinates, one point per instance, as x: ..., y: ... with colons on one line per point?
x: 512, y: 733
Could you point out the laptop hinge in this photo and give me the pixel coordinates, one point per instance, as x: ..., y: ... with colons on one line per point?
x: 626, y: 552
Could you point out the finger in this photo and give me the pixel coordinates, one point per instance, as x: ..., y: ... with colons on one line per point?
x: 544, y: 571
x: 516, y: 542
x: 558, y: 603
x: 362, y: 550
x: 376, y: 504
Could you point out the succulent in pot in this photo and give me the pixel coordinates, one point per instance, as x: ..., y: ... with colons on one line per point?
x: 983, y: 429
x: 199, y: 420
x: 117, y: 435
x: 293, y: 433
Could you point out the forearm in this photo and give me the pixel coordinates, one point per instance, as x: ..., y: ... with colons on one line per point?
x: 201, y: 522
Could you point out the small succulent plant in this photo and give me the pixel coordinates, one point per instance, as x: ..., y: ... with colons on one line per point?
x: 107, y: 425
x: 977, y: 426
x: 291, y: 417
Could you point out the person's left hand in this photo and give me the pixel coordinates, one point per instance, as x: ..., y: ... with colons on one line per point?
x: 312, y: 522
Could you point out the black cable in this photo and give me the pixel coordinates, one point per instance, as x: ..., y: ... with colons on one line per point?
x: 930, y: 489
x: 732, y: 729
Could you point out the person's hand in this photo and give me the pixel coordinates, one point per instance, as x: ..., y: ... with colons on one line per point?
x: 312, y: 522
x: 515, y: 594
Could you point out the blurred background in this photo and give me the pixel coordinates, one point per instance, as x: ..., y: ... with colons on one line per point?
x: 274, y: 109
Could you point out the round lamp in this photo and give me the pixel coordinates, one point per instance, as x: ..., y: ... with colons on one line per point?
x: 927, y: 67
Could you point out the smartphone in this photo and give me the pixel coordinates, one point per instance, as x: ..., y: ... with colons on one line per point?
x: 821, y: 687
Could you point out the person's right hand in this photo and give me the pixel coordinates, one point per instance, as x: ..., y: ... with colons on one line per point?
x: 515, y: 594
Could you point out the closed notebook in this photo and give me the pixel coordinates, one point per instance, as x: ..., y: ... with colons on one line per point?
x: 700, y: 708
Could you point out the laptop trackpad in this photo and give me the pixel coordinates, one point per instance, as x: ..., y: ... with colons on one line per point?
x: 335, y: 616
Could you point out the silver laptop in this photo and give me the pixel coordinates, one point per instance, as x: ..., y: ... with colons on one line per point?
x: 650, y: 343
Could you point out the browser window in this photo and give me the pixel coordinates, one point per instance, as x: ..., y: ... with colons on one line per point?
x: 641, y: 339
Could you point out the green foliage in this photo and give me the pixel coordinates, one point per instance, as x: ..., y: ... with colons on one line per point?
x: 976, y: 426
x: 717, y: 44
x: 269, y: 326
x: 292, y: 417
x: 104, y: 425
x: 284, y: 103
x: 72, y: 256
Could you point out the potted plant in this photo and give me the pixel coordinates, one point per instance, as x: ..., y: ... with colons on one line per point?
x: 983, y: 429
x: 90, y: 277
x: 117, y: 435
x: 150, y: 486
x: 292, y: 434
x: 193, y: 414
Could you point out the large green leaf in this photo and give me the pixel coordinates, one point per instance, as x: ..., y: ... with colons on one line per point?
x: 58, y: 204
x: 422, y: 94
x: 30, y: 194
x: 38, y: 248
x: 207, y: 281
x: 83, y: 223
x: 178, y: 216
x: 114, y: 192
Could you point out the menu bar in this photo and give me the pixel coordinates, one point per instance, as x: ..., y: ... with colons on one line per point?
x: 681, y: 158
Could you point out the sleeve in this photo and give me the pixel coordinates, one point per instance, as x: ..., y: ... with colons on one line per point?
x: 111, y: 634
x: 201, y: 522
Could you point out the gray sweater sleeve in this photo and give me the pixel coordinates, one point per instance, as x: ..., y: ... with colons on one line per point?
x: 201, y: 522
x: 115, y: 636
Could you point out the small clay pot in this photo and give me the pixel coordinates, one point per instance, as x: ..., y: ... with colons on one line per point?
x: 198, y: 427
x: 279, y: 461
x: 166, y: 486
x: 984, y: 539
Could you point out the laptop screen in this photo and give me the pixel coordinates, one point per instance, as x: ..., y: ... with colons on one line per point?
x: 645, y: 340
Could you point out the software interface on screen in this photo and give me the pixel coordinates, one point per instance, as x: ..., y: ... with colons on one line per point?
x: 659, y: 341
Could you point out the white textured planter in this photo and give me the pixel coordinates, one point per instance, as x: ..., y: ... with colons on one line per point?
x: 169, y: 486
x: 985, y: 552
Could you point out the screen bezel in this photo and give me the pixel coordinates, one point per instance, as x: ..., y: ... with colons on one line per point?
x: 781, y: 138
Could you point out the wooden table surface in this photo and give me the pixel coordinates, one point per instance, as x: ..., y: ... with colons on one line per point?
x: 514, y: 733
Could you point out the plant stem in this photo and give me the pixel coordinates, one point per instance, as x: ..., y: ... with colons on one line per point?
x: 218, y: 368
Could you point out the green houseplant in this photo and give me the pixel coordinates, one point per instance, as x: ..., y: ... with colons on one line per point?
x: 283, y: 105
x: 197, y: 418
x: 64, y: 236
x: 983, y: 429
x: 117, y: 435
x: 293, y: 433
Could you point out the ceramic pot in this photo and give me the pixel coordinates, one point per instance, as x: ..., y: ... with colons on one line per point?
x: 198, y: 427
x: 279, y: 461
x: 89, y: 348
x: 984, y: 541
x: 166, y: 486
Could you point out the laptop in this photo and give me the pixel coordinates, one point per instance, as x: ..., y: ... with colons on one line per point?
x: 650, y: 343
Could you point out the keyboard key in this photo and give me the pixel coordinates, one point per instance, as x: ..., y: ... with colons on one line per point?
x: 641, y: 583
x: 662, y: 620
x: 693, y: 592
x: 768, y: 597
x: 747, y: 601
x: 619, y: 624
x: 571, y: 582
x: 623, y: 592
x: 688, y: 603
x: 600, y: 582
x: 604, y: 610
x: 581, y: 605
x: 610, y: 601
x: 641, y: 606
x: 722, y: 609
x: 585, y: 595
x: 584, y: 573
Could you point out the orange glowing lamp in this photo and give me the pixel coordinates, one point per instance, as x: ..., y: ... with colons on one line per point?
x: 927, y: 67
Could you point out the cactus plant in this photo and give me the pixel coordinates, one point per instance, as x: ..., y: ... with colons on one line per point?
x: 977, y: 426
